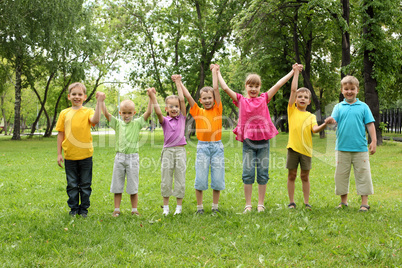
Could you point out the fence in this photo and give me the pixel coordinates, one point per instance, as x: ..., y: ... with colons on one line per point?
x: 393, y: 120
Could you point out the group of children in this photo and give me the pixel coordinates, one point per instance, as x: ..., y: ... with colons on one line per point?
x: 254, y: 130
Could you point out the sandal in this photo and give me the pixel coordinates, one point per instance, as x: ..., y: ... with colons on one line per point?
x: 260, y: 208
x: 367, y: 207
x: 292, y: 205
x: 247, y: 209
x: 342, y: 205
x: 307, y: 206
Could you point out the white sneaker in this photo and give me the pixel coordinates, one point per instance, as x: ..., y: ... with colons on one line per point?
x: 165, y: 212
x: 178, y: 211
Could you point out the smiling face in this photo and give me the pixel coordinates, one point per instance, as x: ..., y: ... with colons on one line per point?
x: 172, y: 107
x: 77, y: 97
x: 207, y: 99
x: 349, y: 91
x: 253, y: 90
x: 302, y: 100
x: 127, y: 111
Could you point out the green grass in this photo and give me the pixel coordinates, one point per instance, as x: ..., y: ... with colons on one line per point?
x: 36, y: 230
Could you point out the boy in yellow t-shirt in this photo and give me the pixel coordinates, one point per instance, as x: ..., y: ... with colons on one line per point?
x: 300, y: 145
x: 74, y: 137
x: 208, y: 121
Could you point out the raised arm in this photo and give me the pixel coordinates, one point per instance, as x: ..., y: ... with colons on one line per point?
x: 100, y: 99
x: 149, y: 108
x: 185, y: 91
x: 225, y: 87
x: 178, y: 83
x: 105, y: 112
x: 293, y: 89
x: 373, y: 136
x: 154, y: 102
x: 215, y: 82
x: 272, y: 91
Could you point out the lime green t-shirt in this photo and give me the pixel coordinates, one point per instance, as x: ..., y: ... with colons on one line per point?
x: 300, y: 130
x: 127, y: 135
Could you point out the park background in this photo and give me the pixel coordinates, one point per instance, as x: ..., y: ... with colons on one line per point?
x: 121, y: 48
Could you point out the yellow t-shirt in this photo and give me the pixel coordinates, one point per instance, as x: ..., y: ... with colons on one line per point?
x: 208, y: 123
x: 300, y: 130
x: 75, y: 124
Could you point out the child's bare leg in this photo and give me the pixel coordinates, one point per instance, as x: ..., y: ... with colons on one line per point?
x: 262, y: 189
x: 248, y: 190
x: 292, y: 173
x: 215, y: 196
x: 198, y: 196
x: 117, y: 200
x: 304, y: 175
x: 166, y: 201
x: 344, y: 200
x: 179, y: 201
x: 134, y: 200
x: 364, y: 202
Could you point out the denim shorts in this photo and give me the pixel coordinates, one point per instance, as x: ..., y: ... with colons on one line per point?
x: 210, y: 154
x: 255, y: 155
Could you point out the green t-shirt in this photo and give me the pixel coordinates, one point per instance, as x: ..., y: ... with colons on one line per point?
x: 127, y: 135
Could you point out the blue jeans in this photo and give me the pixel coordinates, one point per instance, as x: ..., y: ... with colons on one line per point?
x: 210, y: 154
x: 79, y: 180
x: 255, y: 155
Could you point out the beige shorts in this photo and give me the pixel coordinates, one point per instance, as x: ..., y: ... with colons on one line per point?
x: 125, y: 165
x: 361, y: 168
x: 173, y: 161
x: 294, y: 158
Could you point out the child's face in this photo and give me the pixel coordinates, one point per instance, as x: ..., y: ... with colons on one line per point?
x: 253, y: 90
x: 127, y: 113
x: 349, y: 91
x: 302, y: 100
x: 207, y: 99
x: 77, y: 97
x: 173, y: 107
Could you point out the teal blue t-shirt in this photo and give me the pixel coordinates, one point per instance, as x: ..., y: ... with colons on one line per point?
x: 351, y: 130
x: 127, y: 135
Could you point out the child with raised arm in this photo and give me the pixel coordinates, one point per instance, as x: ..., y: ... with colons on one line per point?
x: 254, y: 129
x: 352, y: 117
x: 126, y: 161
x: 208, y: 121
x: 173, y: 158
x: 300, y: 144
x: 75, y: 139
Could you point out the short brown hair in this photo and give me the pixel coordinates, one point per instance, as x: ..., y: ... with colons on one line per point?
x: 253, y: 79
x: 77, y: 84
x: 349, y: 79
x: 304, y: 89
x: 206, y: 90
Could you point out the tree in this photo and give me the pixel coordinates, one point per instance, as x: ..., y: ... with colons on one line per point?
x: 28, y: 28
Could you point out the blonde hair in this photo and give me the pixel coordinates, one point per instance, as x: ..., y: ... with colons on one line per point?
x: 304, y: 89
x: 128, y: 104
x: 350, y: 80
x: 253, y: 79
x: 79, y: 85
x: 171, y: 97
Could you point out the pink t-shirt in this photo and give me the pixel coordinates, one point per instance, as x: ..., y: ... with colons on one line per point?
x: 173, y: 130
x: 254, y: 120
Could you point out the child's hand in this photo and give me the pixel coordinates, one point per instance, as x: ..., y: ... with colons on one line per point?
x: 151, y: 91
x: 176, y: 77
x: 373, y: 147
x: 300, y: 67
x: 100, y: 96
x: 294, y: 67
x: 329, y: 120
x: 60, y: 160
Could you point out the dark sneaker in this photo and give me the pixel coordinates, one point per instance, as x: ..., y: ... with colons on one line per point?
x: 84, y: 215
x: 214, y: 211
x: 72, y: 213
x: 200, y: 211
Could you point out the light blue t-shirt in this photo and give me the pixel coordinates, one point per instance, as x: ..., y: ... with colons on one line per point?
x: 351, y: 131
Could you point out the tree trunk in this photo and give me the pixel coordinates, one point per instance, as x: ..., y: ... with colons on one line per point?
x: 370, y: 83
x: 345, y: 41
x: 17, y: 105
x: 3, y: 112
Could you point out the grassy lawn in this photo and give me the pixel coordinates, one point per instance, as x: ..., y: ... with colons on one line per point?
x: 36, y: 230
